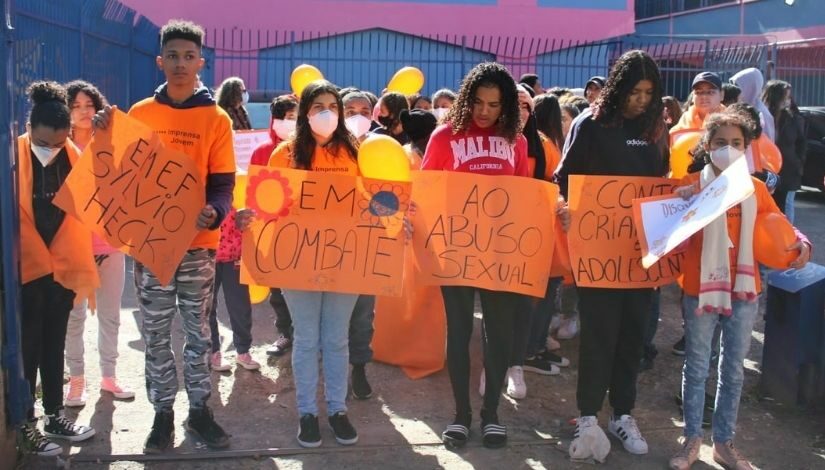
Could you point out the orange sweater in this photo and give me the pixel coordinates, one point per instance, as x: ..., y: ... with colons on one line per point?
x: 691, y: 266
x: 69, y: 258
x: 322, y: 160
x: 691, y: 120
x: 552, y: 157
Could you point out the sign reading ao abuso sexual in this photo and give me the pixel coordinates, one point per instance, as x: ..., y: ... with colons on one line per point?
x: 324, y: 232
x: 604, y: 246
x: 492, y: 232
x: 139, y: 196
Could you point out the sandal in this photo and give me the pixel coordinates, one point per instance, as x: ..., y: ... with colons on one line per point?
x: 455, y: 436
x: 493, y: 435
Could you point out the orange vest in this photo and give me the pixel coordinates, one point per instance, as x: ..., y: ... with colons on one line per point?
x: 69, y: 257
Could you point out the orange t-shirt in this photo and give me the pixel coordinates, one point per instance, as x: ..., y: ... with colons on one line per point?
x: 552, y: 156
x: 690, y: 120
x: 691, y: 265
x: 324, y: 159
x: 204, y: 133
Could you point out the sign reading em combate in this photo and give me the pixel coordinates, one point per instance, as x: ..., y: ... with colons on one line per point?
x: 140, y: 197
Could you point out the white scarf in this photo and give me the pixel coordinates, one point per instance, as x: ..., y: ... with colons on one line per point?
x: 715, y: 287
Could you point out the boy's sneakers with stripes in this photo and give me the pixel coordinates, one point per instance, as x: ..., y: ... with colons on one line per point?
x: 626, y: 430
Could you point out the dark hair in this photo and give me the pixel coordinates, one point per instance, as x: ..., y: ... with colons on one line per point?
x: 282, y: 105
x: 487, y: 74
x: 559, y: 91
x: 674, y: 109
x: 730, y: 93
x: 76, y: 86
x: 304, y: 143
x: 548, y: 118
x: 395, y: 103
x: 534, y: 147
x: 571, y: 109
x: 750, y: 114
x: 230, y: 92
x: 530, y: 79
x: 50, y: 105
x: 181, y: 29
x: 444, y: 93
x: 416, y: 98
x: 373, y: 99
x: 773, y: 95
x: 343, y: 92
x: 713, y: 123
x: 356, y: 95
x: 631, y: 68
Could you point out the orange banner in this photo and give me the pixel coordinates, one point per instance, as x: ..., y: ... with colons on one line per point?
x: 492, y: 232
x: 137, y: 195
x: 604, y: 247
x: 324, y: 232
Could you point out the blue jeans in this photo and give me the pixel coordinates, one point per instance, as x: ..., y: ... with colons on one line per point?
x: 736, y: 341
x: 789, y: 205
x: 321, y: 325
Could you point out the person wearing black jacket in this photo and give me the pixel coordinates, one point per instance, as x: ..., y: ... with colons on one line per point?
x: 623, y: 134
x: 790, y: 138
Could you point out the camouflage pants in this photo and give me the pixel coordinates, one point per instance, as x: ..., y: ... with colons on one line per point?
x: 189, y: 292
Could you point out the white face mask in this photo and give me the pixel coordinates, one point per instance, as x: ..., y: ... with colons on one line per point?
x: 724, y: 156
x: 440, y: 113
x: 324, y: 123
x: 45, y: 154
x: 358, y: 125
x: 283, y: 127
x: 245, y: 97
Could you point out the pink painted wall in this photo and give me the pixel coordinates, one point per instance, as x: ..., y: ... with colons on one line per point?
x: 421, y: 17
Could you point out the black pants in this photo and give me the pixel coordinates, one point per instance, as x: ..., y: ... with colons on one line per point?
x: 498, y: 316
x: 361, y: 330
x: 779, y: 196
x: 613, y: 325
x: 522, y: 329
x: 283, y: 320
x: 238, y: 306
x: 45, y: 315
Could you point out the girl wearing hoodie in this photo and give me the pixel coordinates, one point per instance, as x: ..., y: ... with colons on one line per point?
x: 750, y: 81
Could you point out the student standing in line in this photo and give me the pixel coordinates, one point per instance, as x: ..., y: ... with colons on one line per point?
x: 179, y: 111
x: 232, y: 97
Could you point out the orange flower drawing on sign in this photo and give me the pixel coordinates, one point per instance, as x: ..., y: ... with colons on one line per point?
x: 269, y: 194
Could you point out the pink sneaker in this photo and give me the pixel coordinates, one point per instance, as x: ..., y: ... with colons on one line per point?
x: 245, y: 360
x: 109, y: 384
x: 76, y: 396
x: 216, y: 361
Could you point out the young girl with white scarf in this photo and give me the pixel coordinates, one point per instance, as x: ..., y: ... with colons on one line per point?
x: 721, y: 285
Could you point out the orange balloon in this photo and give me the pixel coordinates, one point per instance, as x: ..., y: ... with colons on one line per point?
x: 258, y: 294
x: 772, y: 235
x: 239, y: 193
x: 680, y: 152
x: 769, y: 154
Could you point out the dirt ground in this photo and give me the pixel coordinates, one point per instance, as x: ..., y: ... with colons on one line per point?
x: 400, y: 426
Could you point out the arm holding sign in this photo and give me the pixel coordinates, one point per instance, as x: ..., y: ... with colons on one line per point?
x: 103, y: 117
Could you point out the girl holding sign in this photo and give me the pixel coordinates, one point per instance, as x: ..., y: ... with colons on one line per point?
x: 623, y: 134
x: 730, y: 301
x: 486, y: 110
x: 57, y: 267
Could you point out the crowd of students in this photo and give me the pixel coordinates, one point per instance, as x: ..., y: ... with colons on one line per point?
x: 615, y: 125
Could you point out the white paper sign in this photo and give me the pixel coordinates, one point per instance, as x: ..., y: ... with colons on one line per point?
x: 664, y: 222
x: 245, y: 143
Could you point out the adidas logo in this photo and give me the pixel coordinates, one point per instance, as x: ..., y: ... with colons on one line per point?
x: 636, y: 143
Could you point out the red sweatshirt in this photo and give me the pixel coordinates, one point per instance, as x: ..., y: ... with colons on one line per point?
x: 475, y: 151
x: 260, y: 156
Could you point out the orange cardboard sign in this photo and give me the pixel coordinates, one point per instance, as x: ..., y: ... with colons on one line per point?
x: 324, y: 232
x: 140, y: 197
x: 604, y: 247
x: 492, y: 232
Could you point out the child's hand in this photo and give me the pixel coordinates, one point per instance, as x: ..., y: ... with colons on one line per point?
x: 686, y: 192
x: 563, y: 213
x: 207, y: 217
x: 243, y: 218
x: 804, y: 254
x: 103, y: 118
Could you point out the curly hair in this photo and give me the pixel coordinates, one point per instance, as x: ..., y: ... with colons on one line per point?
x: 230, y: 92
x: 631, y: 68
x: 713, y: 123
x: 50, y: 105
x: 76, y: 86
x: 181, y: 29
x: 750, y: 114
x: 303, y: 144
x: 488, y: 75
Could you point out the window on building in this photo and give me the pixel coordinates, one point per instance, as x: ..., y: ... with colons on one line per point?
x: 651, y: 8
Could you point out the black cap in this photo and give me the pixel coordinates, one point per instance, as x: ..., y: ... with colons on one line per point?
x: 418, y: 123
x: 707, y: 77
x: 597, y: 80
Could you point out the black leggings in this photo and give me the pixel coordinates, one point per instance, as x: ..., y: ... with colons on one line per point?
x: 498, y: 318
x: 46, y: 306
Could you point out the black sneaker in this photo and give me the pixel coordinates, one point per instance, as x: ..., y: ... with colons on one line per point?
x: 554, y: 358
x: 280, y: 346
x: 58, y: 426
x: 707, y: 413
x: 360, y: 386
x: 344, y: 432
x: 538, y: 365
x: 202, y: 424
x: 679, y: 347
x: 309, y: 434
x: 162, y: 434
x: 31, y: 441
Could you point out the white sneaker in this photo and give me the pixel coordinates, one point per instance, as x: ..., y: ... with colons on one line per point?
x: 569, y: 328
x: 516, y: 388
x: 626, y: 430
x: 482, y: 384
x: 589, y: 441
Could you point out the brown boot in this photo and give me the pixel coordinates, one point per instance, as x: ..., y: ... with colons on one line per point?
x: 689, y: 453
x: 728, y: 457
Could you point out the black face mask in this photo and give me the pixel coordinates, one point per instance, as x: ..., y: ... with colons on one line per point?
x: 386, y: 122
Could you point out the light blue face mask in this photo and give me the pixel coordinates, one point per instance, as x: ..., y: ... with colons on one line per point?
x: 245, y: 97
